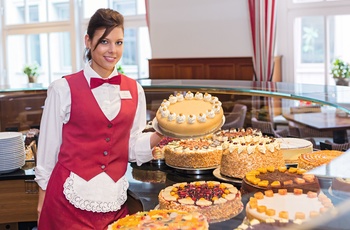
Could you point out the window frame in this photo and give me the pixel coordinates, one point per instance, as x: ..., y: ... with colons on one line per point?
x: 76, y: 25
x: 287, y: 13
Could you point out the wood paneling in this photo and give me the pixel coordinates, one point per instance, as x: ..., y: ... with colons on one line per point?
x: 18, y: 201
x: 235, y: 68
x: 21, y: 110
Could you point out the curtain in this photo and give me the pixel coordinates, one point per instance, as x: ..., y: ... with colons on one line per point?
x: 263, y: 24
x: 147, y: 13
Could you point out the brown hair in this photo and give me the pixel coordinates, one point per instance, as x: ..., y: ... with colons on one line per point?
x: 103, y: 18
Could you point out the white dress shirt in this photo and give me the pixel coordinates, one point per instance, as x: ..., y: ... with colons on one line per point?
x: 57, y: 112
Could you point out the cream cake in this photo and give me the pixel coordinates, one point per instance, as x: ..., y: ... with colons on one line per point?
x: 248, y: 151
x: 288, y: 206
x: 291, y: 148
x: 312, y: 160
x: 216, y: 201
x: 162, y: 220
x: 190, y: 115
x: 193, y: 153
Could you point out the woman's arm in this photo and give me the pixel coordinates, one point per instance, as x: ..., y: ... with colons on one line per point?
x: 40, y: 201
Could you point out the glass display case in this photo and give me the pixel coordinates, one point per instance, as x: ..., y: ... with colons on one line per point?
x: 313, y: 112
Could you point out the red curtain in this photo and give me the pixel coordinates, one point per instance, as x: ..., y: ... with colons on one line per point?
x: 147, y: 15
x: 263, y: 24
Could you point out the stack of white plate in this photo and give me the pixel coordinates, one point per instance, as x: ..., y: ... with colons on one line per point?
x: 12, y: 151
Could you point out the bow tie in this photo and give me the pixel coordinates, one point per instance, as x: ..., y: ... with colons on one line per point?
x: 96, y: 82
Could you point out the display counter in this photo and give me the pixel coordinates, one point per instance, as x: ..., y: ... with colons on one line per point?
x: 145, y: 181
x: 265, y: 100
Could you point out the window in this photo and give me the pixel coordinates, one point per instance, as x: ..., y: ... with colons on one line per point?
x: 137, y: 49
x: 319, y: 35
x: 50, y: 33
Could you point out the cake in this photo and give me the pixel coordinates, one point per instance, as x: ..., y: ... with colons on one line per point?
x: 291, y: 148
x: 312, y: 160
x: 158, y: 150
x: 161, y: 220
x: 190, y: 115
x: 340, y: 187
x: 193, y: 153
x: 246, y: 150
x: 216, y: 201
x: 272, y: 178
x: 286, y: 205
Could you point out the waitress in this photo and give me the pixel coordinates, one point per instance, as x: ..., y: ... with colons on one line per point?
x: 91, y: 127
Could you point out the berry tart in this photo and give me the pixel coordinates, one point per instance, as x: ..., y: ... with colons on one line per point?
x: 216, y: 201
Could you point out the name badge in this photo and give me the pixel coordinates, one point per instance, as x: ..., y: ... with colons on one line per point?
x: 125, y: 94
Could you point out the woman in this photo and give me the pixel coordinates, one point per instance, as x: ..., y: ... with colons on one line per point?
x: 88, y: 133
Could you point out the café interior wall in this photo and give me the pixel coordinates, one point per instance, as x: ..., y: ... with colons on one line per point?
x: 199, y: 28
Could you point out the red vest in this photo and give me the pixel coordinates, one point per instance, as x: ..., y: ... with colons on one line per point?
x: 92, y: 144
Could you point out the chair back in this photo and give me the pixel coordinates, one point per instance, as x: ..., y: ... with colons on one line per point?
x: 327, y: 145
x: 266, y: 127
x: 236, y: 118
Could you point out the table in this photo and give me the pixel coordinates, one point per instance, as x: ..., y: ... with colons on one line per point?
x: 323, y: 121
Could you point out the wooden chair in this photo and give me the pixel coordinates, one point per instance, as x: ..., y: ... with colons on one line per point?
x: 236, y: 118
x: 266, y: 128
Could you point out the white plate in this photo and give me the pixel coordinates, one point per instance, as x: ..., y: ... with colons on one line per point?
x: 218, y: 175
x: 10, y: 135
x: 181, y: 136
x: 192, y: 169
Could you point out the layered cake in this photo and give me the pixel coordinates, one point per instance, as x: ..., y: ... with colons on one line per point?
x: 248, y: 150
x: 158, y: 150
x: 309, y: 161
x: 340, y: 187
x: 162, y: 220
x: 285, y: 205
x: 272, y: 178
x: 216, y: 201
x: 291, y: 148
x: 193, y: 153
x: 190, y: 115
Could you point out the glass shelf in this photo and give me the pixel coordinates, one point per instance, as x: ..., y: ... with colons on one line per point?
x: 335, y: 96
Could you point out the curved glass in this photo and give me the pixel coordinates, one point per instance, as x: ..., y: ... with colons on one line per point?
x: 316, y: 113
x: 335, y: 96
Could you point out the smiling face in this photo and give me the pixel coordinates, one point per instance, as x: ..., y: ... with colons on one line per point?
x: 106, y: 52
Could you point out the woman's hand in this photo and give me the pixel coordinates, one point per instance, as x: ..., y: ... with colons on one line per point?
x: 155, y: 139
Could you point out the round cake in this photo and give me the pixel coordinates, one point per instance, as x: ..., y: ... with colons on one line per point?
x: 289, y: 206
x: 158, y: 150
x: 247, y: 150
x: 190, y: 115
x: 291, y: 148
x: 162, y: 220
x: 340, y: 187
x: 272, y: 178
x: 312, y: 160
x: 216, y: 201
x: 193, y: 153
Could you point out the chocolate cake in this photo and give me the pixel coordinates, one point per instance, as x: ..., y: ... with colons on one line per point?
x: 276, y: 178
